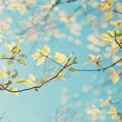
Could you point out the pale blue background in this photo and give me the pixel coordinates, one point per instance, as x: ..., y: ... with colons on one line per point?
x: 32, y: 106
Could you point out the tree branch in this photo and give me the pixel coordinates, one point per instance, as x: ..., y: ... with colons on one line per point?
x: 37, y: 87
x: 117, y: 42
x: 116, y: 103
x: 114, y: 10
x: 11, y: 58
x: 103, y: 69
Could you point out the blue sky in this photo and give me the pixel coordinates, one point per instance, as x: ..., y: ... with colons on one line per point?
x: 80, y: 90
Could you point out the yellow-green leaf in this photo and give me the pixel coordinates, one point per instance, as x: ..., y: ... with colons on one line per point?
x: 116, y: 23
x: 47, y: 6
x: 116, y: 116
x: 111, y: 69
x: 8, y: 46
x: 22, y: 8
x: 29, y: 83
x: 20, y: 80
x: 13, y: 6
x: 36, y: 55
x: 2, y: 74
x: 115, y: 78
x: 112, y: 110
x: 46, y: 49
x: 22, y: 55
x: 6, y: 70
x: 72, y: 69
x: 31, y: 77
x: 109, y: 15
x: 98, y: 58
x: 17, y: 6
x: 21, y: 61
x: 73, y: 61
x: 60, y: 58
x: 118, y: 6
x: 104, y: 6
x: 15, y: 91
x: 91, y: 57
x: 14, y: 74
x: 40, y: 61
x: 40, y: 52
x: 28, y: 7
x: 61, y: 76
x: 10, y: 62
x: 111, y: 33
x: 3, y: 56
x: 15, y: 50
x: 105, y: 36
x: 107, y: 101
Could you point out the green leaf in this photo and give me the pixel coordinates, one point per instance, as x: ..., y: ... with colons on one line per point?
x: 74, y: 61
x: 118, y: 6
x: 14, y: 89
x: 36, y: 55
x: 115, y: 78
x: 40, y: 52
x: 3, y: 56
x: 98, y: 58
x: 40, y: 61
x: 8, y: 46
x: 46, y: 49
x: 15, y: 50
x: 109, y: 15
x: 22, y: 55
x: 21, y: 61
x: 91, y: 57
x: 31, y: 77
x: 10, y: 62
x: 14, y: 74
x: 6, y: 70
x: 72, y: 69
x: 20, y: 80
x: 106, y: 36
x: 111, y: 33
x: 29, y: 83
x: 116, y: 32
x: 61, y: 76
x: 2, y: 74
x: 28, y: 7
x: 60, y: 58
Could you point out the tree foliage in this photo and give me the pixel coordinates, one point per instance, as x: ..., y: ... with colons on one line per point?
x: 14, y: 55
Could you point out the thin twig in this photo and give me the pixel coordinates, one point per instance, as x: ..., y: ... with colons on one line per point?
x: 103, y: 69
x: 117, y: 42
x: 11, y: 58
x: 116, y: 103
x: 37, y: 87
x: 117, y: 11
